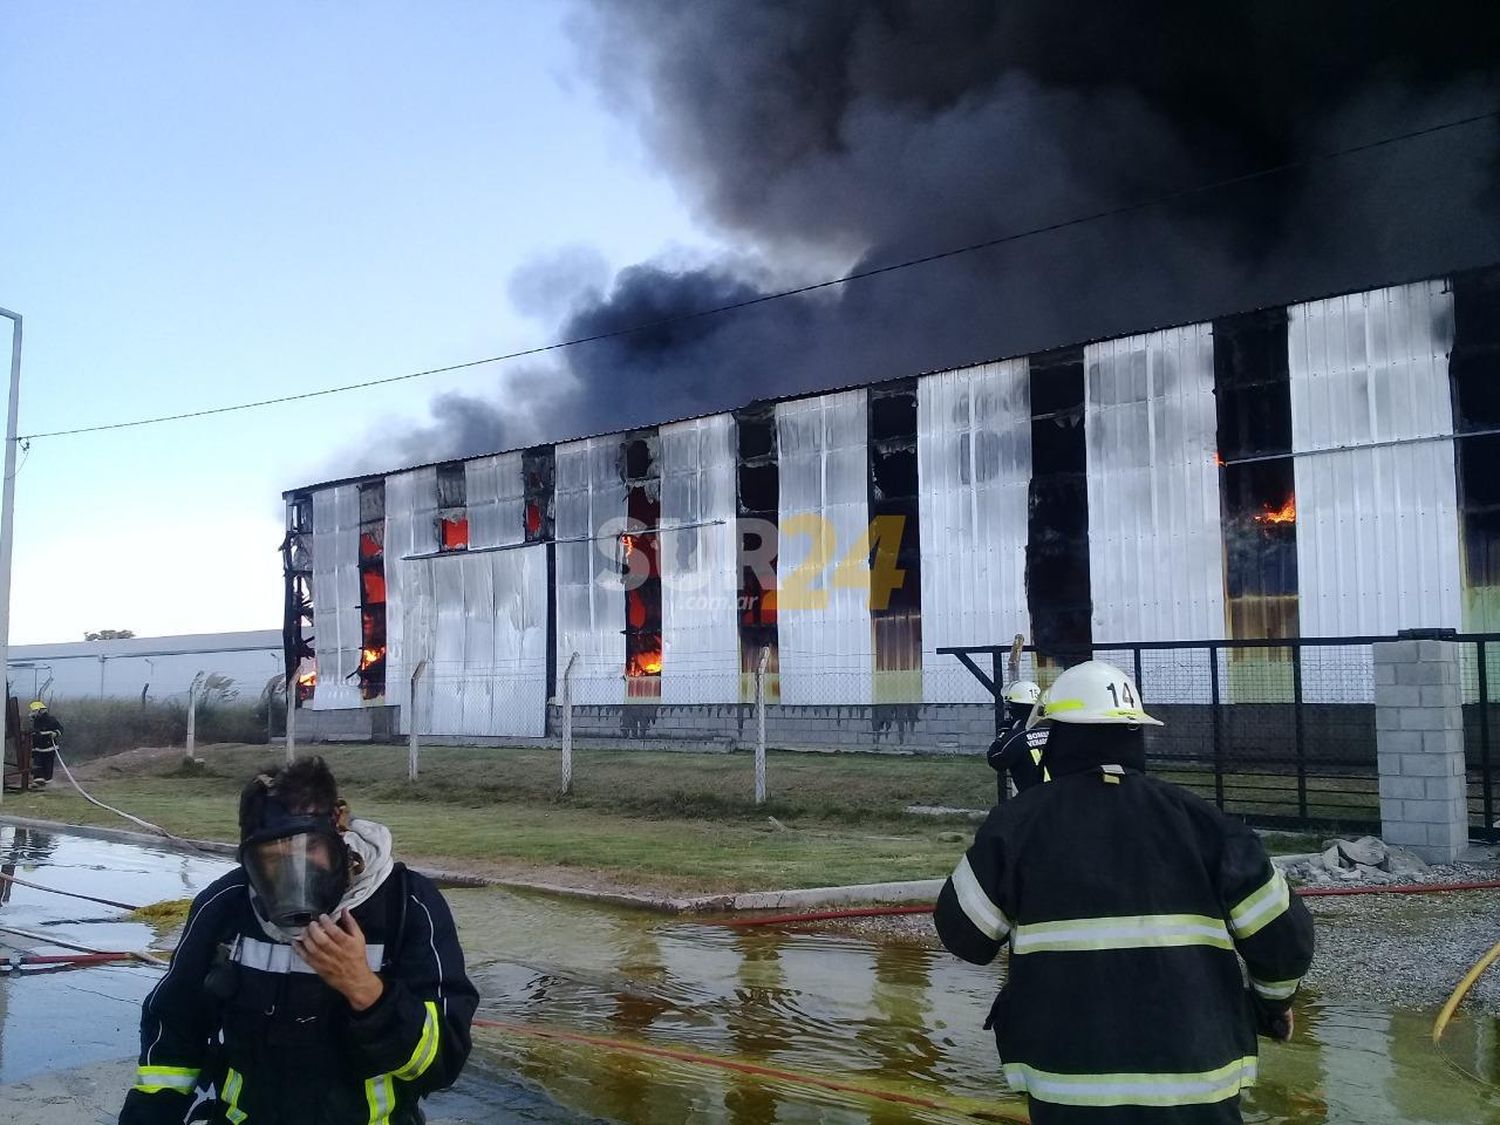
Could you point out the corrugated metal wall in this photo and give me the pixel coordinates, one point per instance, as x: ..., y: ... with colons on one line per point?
x: 336, y: 596
x: 697, y: 555
x: 974, y: 463
x: 1377, y: 535
x: 824, y: 609
x: 410, y: 529
x: 1156, y: 548
x: 590, y: 597
x: 495, y: 500
x: 1377, y: 543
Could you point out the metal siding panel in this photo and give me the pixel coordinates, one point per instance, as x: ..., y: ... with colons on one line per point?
x: 699, y: 580
x: 335, y: 582
x: 1153, y: 495
x: 827, y: 654
x: 1377, y: 534
x: 494, y: 498
x: 974, y: 471
x: 590, y: 597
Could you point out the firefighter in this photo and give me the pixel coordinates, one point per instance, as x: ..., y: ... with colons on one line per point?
x: 46, y: 737
x: 318, y: 983
x: 1016, y: 754
x: 1125, y: 901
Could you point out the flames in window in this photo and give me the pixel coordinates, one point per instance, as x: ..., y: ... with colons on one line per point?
x: 1287, y: 513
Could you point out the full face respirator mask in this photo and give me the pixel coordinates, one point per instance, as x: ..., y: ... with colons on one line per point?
x: 298, y: 866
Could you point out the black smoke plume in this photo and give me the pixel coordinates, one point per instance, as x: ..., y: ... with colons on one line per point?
x: 835, y: 135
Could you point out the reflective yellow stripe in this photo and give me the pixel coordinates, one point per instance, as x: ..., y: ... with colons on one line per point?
x: 1259, y: 909
x: 1133, y: 1089
x: 155, y: 1079
x: 380, y: 1096
x: 985, y: 916
x: 234, y: 1085
x: 1275, y: 989
x: 1144, y: 931
x: 427, y: 1047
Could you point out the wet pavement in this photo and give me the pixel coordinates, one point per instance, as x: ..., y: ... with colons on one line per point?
x: 615, y: 1015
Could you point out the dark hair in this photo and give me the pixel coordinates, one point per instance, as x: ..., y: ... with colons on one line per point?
x: 305, y: 786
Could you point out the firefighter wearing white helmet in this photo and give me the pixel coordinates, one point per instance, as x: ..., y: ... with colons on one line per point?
x: 1093, y: 693
x: 1128, y: 904
x: 1016, y: 753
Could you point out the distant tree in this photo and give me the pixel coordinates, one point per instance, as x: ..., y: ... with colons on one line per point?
x: 109, y: 635
x: 219, y: 688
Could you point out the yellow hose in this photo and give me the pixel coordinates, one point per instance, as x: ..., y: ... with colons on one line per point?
x: 1462, y: 990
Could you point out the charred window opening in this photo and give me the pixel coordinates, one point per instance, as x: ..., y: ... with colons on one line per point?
x: 297, y: 617
x: 539, y: 499
x: 1252, y: 396
x: 1474, y: 373
x: 895, y: 542
x: 758, y: 500
x: 1058, y: 593
x: 453, y: 511
x: 371, y: 670
x: 641, y: 470
x: 538, y: 474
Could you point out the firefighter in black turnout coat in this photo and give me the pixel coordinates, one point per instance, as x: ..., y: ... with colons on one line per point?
x: 1017, y: 753
x: 1125, y: 901
x: 319, y: 983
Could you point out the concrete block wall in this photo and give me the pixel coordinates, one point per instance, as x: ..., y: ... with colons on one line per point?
x: 1419, y: 739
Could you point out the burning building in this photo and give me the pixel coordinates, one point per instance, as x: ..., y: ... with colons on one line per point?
x: 1319, y: 469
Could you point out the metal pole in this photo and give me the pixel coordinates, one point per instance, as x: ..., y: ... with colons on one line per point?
x: 760, y: 726
x: 1485, y: 793
x: 1299, y: 741
x: 567, y: 728
x: 1218, y: 720
x: 192, y: 715
x: 8, y: 517
x: 412, y: 749
x: 291, y: 720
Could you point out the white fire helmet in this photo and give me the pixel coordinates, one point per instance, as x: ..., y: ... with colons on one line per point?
x: 1024, y: 693
x: 1093, y: 693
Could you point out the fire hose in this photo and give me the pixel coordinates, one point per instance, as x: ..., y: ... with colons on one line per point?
x: 927, y: 908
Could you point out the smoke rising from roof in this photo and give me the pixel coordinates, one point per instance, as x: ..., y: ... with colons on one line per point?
x: 849, y: 133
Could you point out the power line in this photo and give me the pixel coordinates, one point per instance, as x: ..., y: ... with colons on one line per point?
x: 766, y: 298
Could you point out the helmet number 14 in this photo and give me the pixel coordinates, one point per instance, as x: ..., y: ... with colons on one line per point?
x: 1124, y: 691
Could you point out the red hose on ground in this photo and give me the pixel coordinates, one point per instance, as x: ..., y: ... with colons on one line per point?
x: 926, y: 908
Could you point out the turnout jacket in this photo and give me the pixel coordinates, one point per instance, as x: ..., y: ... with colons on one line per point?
x: 1125, y: 901
x: 1018, y: 752
x: 282, y: 1047
x: 45, y: 731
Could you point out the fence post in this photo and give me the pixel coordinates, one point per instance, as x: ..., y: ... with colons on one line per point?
x: 1485, y: 793
x: 291, y: 721
x: 567, y: 726
x: 192, y: 716
x: 1218, y: 718
x: 1299, y: 744
x: 413, y: 751
x: 760, y: 726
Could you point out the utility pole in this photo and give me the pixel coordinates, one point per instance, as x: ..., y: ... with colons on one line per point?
x: 8, y: 523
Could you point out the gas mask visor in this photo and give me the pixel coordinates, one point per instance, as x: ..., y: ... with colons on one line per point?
x: 298, y: 868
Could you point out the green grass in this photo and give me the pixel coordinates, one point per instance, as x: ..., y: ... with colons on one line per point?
x: 681, y: 822
x: 677, y: 822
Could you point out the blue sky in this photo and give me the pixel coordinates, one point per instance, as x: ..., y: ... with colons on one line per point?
x: 208, y: 203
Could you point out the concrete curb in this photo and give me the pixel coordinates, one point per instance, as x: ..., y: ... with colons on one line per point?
x: 920, y: 890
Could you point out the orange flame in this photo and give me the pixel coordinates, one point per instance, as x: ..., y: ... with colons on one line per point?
x: 1287, y: 513
x: 1218, y: 460
x: 369, y: 656
x: 308, y: 678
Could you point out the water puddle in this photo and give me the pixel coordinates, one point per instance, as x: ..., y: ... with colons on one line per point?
x: 621, y: 1016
